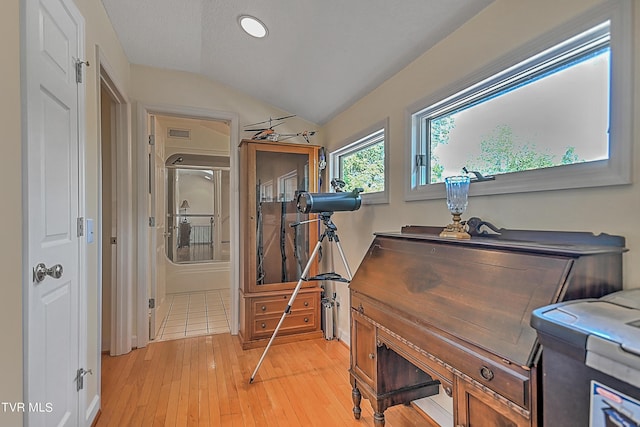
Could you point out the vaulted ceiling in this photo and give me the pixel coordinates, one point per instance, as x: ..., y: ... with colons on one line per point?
x: 319, y: 57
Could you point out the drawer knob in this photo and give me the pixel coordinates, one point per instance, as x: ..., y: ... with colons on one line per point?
x: 306, y: 303
x: 372, y: 356
x: 486, y: 373
x: 448, y: 391
x: 263, y: 308
x: 306, y: 320
x: 263, y: 325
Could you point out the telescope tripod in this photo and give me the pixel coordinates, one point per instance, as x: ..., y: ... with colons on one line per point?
x: 330, y: 232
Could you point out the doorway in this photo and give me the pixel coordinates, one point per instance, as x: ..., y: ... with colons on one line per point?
x: 109, y: 220
x: 177, y: 135
x: 116, y: 218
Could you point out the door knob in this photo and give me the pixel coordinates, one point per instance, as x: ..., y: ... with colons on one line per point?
x: 40, y: 272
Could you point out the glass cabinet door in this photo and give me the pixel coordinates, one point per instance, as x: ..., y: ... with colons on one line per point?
x: 282, y: 250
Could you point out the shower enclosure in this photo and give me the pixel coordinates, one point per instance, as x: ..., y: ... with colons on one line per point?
x: 197, y: 209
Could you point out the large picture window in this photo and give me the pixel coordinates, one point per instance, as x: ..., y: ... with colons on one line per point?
x: 555, y: 119
x: 362, y: 163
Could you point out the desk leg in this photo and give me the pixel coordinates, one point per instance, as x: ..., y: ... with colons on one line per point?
x: 357, y: 397
x: 378, y: 419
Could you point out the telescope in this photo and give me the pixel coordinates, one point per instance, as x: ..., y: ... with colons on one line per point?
x: 329, y: 202
x: 324, y: 204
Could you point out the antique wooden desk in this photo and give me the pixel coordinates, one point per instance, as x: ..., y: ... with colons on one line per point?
x: 430, y: 314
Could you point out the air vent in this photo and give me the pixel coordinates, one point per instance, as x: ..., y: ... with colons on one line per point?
x: 179, y: 133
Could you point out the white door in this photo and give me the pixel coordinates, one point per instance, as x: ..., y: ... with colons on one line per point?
x: 157, y: 233
x: 161, y: 307
x: 53, y: 38
x: 153, y: 247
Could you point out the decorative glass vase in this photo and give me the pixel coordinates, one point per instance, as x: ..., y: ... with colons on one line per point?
x: 457, y: 200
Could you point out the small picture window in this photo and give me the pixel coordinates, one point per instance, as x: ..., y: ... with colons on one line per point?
x: 362, y: 163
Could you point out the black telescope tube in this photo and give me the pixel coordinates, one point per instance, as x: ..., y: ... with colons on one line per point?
x: 329, y: 202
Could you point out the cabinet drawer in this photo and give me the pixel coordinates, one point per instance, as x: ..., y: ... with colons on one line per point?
x: 295, y: 322
x: 275, y: 305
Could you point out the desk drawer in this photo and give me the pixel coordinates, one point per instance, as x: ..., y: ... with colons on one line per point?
x: 502, y: 380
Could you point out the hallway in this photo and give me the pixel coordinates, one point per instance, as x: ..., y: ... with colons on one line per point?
x: 196, y: 313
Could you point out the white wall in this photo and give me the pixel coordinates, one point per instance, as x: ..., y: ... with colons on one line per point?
x: 11, y: 368
x: 500, y: 28
x: 159, y: 87
x: 208, y: 138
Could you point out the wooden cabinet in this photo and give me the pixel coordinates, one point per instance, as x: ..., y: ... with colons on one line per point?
x: 381, y: 374
x: 476, y: 408
x: 432, y: 315
x: 363, y: 352
x: 273, y: 253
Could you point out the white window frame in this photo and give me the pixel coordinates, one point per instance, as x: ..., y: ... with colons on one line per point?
x: 615, y: 170
x: 266, y: 191
x: 356, y: 143
x: 283, y: 180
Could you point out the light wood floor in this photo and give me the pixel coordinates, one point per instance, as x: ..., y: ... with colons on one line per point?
x: 204, y: 381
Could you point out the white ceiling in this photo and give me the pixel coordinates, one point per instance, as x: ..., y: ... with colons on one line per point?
x: 319, y: 57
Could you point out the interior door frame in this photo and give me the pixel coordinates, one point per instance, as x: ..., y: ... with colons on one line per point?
x: 152, y: 243
x: 144, y: 257
x: 122, y: 288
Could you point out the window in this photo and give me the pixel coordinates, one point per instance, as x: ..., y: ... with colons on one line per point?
x: 266, y: 191
x: 362, y: 162
x: 287, y: 186
x: 554, y: 119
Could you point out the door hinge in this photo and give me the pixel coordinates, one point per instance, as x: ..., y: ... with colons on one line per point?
x: 152, y: 221
x: 421, y: 160
x: 152, y: 303
x: 80, y: 373
x: 80, y: 227
x: 79, y: 65
x: 152, y: 140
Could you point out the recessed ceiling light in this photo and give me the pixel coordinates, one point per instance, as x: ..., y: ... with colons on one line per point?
x: 253, y: 26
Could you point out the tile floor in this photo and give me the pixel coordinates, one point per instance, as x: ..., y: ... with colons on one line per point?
x: 196, y: 313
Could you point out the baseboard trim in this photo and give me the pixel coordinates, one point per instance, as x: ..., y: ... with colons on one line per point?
x: 93, y: 412
x: 344, y: 336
